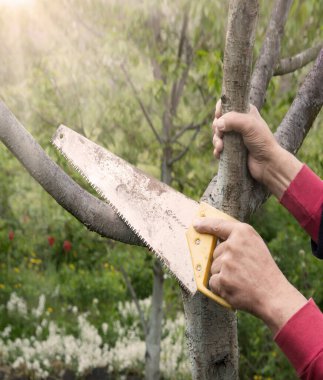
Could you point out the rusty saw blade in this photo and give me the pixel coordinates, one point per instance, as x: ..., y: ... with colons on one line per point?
x: 156, y: 213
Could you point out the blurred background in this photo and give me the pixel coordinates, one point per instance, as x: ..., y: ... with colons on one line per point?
x: 105, y: 68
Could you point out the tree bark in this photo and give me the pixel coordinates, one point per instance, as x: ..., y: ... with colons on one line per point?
x: 95, y: 214
x: 152, y: 371
x: 269, y: 53
x: 153, y: 338
x: 211, y: 329
x: 296, y: 62
x: 297, y: 122
x: 304, y: 109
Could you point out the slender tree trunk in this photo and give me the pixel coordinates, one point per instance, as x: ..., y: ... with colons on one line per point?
x: 211, y: 329
x: 153, y: 339
x: 155, y: 325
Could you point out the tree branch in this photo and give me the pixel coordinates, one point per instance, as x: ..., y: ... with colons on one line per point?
x: 178, y: 85
x: 132, y: 291
x: 269, y: 53
x: 183, y: 35
x: 185, y: 129
x: 154, y: 24
x: 141, y: 105
x: 95, y: 214
x: 304, y: 109
x: 296, y: 62
x: 297, y: 122
x: 184, y: 151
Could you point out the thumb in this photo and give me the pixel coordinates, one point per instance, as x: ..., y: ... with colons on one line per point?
x: 235, y: 121
x: 214, y: 226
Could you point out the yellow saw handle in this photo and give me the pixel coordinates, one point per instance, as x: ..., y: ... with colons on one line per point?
x: 201, y: 248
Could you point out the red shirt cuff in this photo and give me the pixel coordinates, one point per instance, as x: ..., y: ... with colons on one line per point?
x: 304, y: 199
x: 301, y: 338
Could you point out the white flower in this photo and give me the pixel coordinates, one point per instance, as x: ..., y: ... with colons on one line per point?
x: 41, y: 307
x: 39, y: 330
x: 17, y: 305
x: 6, y: 332
x: 104, y: 328
x: 87, y: 350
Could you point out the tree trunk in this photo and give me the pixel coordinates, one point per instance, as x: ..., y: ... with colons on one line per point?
x: 155, y: 325
x: 153, y: 338
x: 211, y: 329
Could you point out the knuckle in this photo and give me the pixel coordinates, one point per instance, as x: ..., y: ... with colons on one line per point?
x: 253, y: 109
x: 213, y: 283
x: 250, y: 125
x: 230, y: 248
x: 223, y: 282
x: 245, y: 228
x: 225, y: 259
x: 227, y: 263
x: 215, y: 228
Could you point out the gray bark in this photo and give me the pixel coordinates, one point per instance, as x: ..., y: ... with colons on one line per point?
x: 269, y: 53
x: 95, y: 214
x: 211, y: 329
x: 233, y: 179
x: 297, y: 122
x: 304, y: 109
x: 153, y: 338
x: 155, y: 325
x: 296, y: 62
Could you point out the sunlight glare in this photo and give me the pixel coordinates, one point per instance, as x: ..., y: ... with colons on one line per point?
x: 16, y: 3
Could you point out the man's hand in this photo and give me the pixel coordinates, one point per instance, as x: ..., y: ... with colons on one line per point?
x: 268, y: 162
x: 256, y: 135
x: 245, y: 274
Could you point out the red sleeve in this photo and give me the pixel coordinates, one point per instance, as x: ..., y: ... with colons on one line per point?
x: 304, y: 199
x: 301, y: 340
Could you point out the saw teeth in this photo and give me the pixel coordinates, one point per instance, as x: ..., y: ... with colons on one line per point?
x: 150, y: 248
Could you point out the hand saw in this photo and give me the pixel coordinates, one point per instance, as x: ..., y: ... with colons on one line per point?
x: 159, y: 215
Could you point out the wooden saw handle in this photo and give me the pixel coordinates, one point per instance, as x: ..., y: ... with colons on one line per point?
x: 201, y: 248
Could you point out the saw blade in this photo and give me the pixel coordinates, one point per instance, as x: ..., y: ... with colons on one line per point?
x: 158, y: 214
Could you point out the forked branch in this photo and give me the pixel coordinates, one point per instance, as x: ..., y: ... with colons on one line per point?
x: 297, y: 121
x: 95, y: 214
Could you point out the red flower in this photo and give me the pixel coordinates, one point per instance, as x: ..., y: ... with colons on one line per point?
x: 51, y: 240
x: 11, y: 235
x: 67, y: 245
